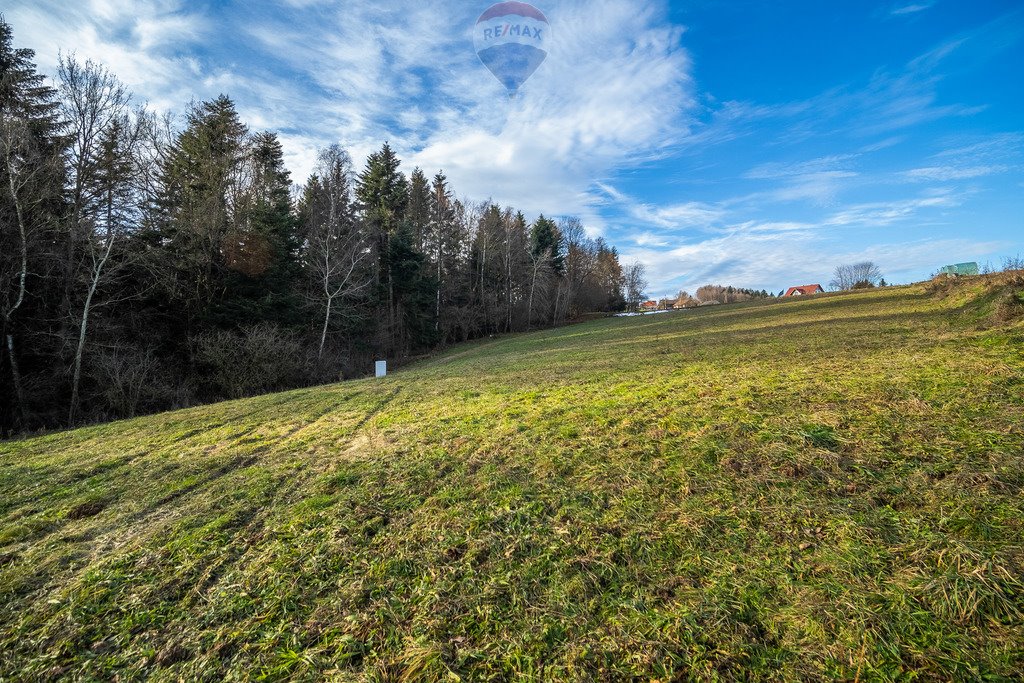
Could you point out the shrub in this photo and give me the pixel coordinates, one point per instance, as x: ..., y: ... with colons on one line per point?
x: 255, y: 359
x: 128, y: 380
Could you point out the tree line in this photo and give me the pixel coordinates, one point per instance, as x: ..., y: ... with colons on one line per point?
x: 717, y: 294
x: 146, y: 265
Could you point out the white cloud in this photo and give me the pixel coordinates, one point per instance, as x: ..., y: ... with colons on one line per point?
x: 876, y: 214
x: 407, y: 73
x: 145, y: 43
x: 912, y: 8
x: 362, y: 72
x: 945, y: 173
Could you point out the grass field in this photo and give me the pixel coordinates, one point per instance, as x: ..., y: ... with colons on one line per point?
x: 830, y: 488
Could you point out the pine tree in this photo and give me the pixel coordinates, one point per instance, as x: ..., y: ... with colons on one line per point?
x: 545, y: 239
x: 488, y: 267
x: 547, y: 265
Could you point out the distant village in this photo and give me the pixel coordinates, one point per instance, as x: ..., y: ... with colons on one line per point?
x: 847, y: 277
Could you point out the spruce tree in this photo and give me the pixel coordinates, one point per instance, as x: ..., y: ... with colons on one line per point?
x: 201, y: 179
x: 545, y: 239
x: 418, y: 212
x: 445, y: 241
x: 261, y: 250
x: 382, y: 191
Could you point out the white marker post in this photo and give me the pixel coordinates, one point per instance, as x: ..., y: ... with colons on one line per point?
x: 382, y: 368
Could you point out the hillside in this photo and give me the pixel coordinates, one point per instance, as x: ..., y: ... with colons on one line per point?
x: 823, y: 488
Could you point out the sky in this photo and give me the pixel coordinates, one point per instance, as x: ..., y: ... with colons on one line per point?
x: 757, y: 144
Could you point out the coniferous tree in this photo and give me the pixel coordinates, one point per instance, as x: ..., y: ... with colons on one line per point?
x: 517, y: 265
x: 201, y: 201
x: 546, y: 265
x: 260, y: 251
x: 418, y: 211
x: 382, y: 191
x: 444, y: 243
x: 488, y: 249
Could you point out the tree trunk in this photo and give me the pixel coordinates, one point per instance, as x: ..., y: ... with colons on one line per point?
x: 437, y: 312
x: 19, y: 394
x: 323, y: 333
x: 77, y: 376
x: 529, y: 308
x: 83, y: 327
x: 508, y: 281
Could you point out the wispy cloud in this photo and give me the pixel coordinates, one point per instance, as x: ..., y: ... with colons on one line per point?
x: 878, y: 214
x: 402, y: 73
x: 365, y: 72
x: 912, y: 8
x: 145, y: 43
x: 943, y: 173
x: 677, y: 216
x: 818, y: 180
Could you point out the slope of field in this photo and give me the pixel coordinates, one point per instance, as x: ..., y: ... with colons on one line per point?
x: 817, y: 489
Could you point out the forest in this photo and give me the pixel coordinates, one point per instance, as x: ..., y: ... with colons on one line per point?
x: 149, y: 263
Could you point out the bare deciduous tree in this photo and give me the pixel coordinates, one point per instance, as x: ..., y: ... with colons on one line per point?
x: 103, y: 156
x: 636, y: 284
x: 856, y: 276
x: 541, y: 270
x: 685, y: 300
x: 1013, y: 263
x: 24, y: 167
x: 336, y: 250
x: 581, y: 255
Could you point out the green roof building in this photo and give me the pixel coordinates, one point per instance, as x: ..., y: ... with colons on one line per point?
x: 960, y: 269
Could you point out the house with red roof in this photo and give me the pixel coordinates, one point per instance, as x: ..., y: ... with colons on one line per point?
x: 804, y: 290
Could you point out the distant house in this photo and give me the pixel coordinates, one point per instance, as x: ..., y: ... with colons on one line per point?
x: 804, y: 290
x: 649, y: 306
x: 666, y: 304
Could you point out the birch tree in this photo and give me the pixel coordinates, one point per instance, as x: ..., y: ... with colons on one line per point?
x: 105, y: 142
x: 31, y: 195
x: 337, y: 252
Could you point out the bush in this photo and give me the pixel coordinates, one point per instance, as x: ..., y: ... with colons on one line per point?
x: 255, y: 359
x: 130, y: 381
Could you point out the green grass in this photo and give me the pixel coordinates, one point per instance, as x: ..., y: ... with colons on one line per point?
x: 819, y: 489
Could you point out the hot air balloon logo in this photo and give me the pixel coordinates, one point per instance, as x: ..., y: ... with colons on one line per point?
x: 511, y: 39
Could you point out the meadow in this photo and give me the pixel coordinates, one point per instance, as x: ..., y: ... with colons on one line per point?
x: 817, y: 489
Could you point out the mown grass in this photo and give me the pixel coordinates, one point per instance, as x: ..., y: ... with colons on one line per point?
x: 817, y: 489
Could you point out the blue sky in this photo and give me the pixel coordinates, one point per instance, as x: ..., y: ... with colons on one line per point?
x: 748, y: 143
